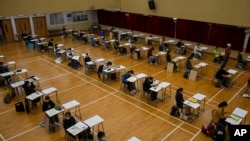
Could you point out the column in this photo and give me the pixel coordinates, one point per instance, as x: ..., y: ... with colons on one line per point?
x: 247, y: 31
x: 13, y: 24
x: 31, y: 25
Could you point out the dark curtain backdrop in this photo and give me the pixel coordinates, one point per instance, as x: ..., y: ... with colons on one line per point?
x: 195, y: 31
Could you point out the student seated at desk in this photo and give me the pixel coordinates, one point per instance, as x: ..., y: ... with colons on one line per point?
x: 147, y: 84
x: 162, y: 44
x: 116, y: 44
x: 169, y: 60
x: 93, y: 42
x: 57, y: 51
x: 151, y: 57
x: 41, y: 46
x: 189, y: 67
x: 30, y: 88
x: 3, y: 69
x: 132, y: 49
x: 105, y: 44
x: 130, y: 86
x: 47, y: 105
x: 88, y: 59
x: 223, y: 76
x: 179, y: 46
x: 107, y: 67
x: 51, y: 43
x: 69, y: 121
x: 196, y: 51
x: 64, y: 32
x: 240, y: 61
x: 72, y: 62
x: 217, y: 56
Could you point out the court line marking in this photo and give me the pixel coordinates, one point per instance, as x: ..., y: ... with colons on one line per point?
x: 134, y: 104
x: 94, y: 79
x: 170, y: 133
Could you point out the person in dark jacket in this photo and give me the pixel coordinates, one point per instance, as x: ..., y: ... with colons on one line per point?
x: 223, y: 76
x: 47, y: 105
x: 169, y: 60
x: 130, y: 86
x: 68, y: 121
x: 147, y: 84
x: 30, y: 88
x: 189, y: 67
x: 3, y: 69
x: 179, y: 98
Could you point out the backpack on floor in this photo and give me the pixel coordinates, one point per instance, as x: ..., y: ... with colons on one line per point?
x: 7, y: 99
x: 210, y: 131
x: 174, y: 111
x: 19, y: 107
x: 74, y: 64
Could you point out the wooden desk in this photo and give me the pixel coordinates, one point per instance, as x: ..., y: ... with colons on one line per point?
x: 194, y: 106
x: 73, y: 104
x: 21, y: 71
x: 11, y: 63
x: 49, y: 114
x: 237, y: 116
x: 232, y: 72
x: 76, y: 129
x: 95, y: 120
x: 139, y: 77
x: 51, y: 90
x: 201, y: 68
x: 200, y: 97
x: 34, y: 79
x: 179, y: 59
x: 17, y: 85
x: 34, y: 96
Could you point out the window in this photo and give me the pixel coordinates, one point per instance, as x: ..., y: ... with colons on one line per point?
x: 67, y: 18
x: 56, y: 19
x: 79, y: 16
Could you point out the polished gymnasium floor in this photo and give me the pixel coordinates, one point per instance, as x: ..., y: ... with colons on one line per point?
x: 124, y: 115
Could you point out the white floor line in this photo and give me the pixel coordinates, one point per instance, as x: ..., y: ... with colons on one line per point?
x: 236, y: 93
x: 164, y: 138
x: 121, y: 99
x: 23, y: 133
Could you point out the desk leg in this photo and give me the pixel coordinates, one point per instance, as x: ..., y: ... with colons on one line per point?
x: 57, y: 98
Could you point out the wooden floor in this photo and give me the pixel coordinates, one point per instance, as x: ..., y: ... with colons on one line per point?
x: 125, y: 115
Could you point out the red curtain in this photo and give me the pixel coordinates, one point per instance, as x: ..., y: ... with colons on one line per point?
x: 192, y: 31
x: 201, y: 32
x: 220, y: 35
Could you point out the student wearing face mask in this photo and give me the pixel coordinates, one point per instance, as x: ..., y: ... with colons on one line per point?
x: 47, y: 105
x: 68, y: 121
x: 101, y: 136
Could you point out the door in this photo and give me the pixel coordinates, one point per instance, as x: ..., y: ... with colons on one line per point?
x: 40, y: 26
x: 8, y: 31
x: 22, y: 24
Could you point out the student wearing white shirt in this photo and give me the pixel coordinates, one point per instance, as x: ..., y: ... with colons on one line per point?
x: 196, y: 51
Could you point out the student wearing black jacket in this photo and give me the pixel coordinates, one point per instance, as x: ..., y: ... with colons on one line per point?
x: 47, y: 105
x: 68, y: 121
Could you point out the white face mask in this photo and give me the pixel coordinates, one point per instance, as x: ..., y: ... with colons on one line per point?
x: 67, y: 118
x: 47, y: 100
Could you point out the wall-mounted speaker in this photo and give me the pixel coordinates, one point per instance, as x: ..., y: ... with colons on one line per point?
x: 151, y: 4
